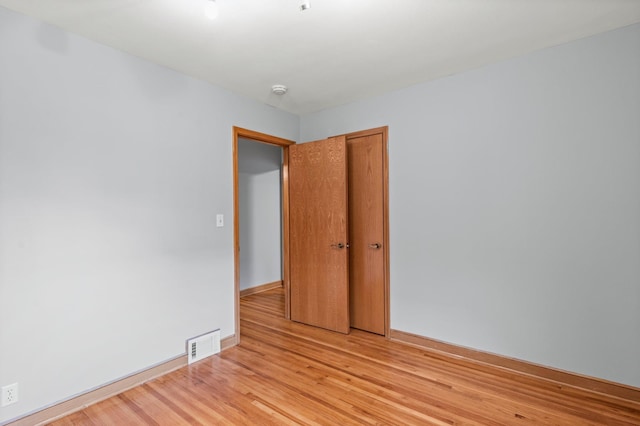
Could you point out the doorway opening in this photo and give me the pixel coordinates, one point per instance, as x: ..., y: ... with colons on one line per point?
x: 245, y: 138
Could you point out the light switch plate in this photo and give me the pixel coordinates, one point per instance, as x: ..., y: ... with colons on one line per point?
x: 220, y: 220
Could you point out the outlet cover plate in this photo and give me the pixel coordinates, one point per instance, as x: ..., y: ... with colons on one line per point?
x: 9, y: 394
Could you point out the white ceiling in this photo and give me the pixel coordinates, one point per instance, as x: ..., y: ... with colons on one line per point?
x: 336, y: 52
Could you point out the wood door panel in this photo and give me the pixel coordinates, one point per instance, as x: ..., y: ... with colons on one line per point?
x: 366, y: 228
x: 318, y: 219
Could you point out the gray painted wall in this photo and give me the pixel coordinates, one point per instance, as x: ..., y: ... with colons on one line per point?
x: 112, y: 171
x: 260, y: 213
x: 515, y: 207
x: 515, y: 204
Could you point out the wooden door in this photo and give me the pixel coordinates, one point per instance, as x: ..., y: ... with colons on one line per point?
x: 318, y: 234
x: 367, y: 236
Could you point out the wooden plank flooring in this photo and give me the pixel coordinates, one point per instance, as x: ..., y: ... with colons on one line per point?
x: 284, y: 373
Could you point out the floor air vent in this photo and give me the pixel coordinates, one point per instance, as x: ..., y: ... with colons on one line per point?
x: 203, y: 346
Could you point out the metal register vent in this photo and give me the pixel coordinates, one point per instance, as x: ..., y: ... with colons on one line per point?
x: 202, y: 346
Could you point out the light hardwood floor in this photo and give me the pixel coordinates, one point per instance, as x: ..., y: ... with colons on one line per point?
x: 288, y: 373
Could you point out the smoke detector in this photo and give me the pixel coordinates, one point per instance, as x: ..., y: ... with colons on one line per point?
x: 279, y: 89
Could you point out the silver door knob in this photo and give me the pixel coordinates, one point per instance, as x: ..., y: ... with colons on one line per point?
x: 339, y: 246
x: 375, y: 245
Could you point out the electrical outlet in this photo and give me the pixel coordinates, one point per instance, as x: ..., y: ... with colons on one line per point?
x: 9, y: 394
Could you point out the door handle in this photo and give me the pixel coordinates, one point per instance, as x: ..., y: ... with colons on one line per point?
x: 339, y: 246
x: 375, y: 245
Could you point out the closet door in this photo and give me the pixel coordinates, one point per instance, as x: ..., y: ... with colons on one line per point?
x: 318, y: 234
x: 366, y: 226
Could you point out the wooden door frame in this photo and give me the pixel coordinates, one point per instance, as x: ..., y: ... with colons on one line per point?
x: 239, y: 132
x: 384, y: 130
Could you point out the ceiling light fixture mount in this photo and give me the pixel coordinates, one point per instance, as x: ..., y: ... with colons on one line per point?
x: 279, y: 89
x: 305, y: 5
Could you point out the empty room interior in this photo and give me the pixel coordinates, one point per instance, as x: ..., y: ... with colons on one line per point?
x: 377, y: 212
